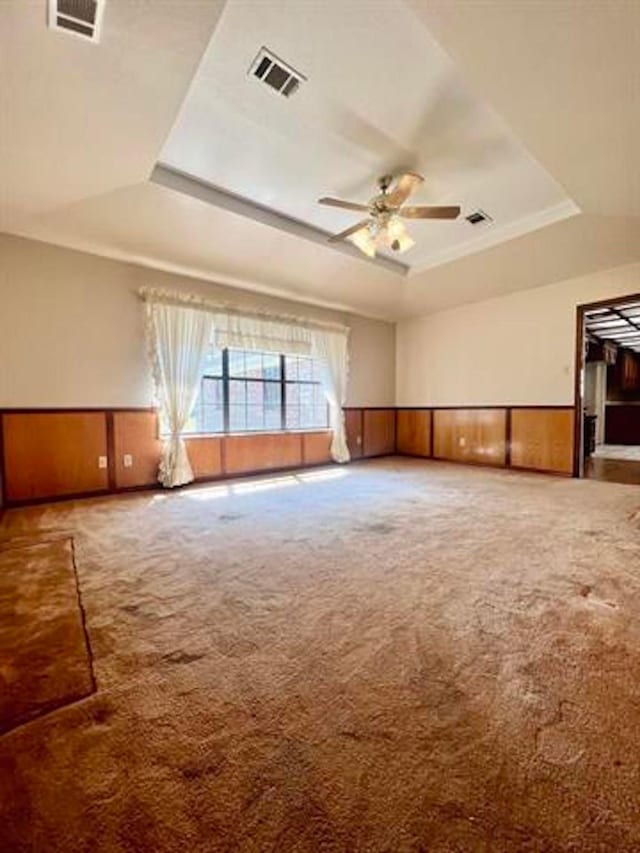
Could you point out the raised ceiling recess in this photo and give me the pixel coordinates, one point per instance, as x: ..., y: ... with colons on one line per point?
x: 373, y: 95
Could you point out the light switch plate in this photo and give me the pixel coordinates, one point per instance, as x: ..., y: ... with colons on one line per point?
x: 127, y: 460
x: 102, y: 461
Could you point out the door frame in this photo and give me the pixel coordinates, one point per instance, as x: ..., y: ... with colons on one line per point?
x: 578, y: 431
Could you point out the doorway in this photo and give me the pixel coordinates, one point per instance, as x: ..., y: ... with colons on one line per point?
x: 607, y: 440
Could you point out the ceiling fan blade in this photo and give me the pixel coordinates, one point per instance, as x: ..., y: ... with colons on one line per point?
x: 343, y: 234
x: 423, y: 212
x: 404, y: 186
x: 347, y: 205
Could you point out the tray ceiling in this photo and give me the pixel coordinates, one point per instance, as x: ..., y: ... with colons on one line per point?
x: 380, y: 95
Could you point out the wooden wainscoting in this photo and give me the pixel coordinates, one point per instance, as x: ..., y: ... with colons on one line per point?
x: 135, y: 434
x: 316, y: 448
x: 262, y: 452
x: 470, y: 435
x: 354, y: 428
x: 542, y: 439
x: 53, y: 454
x: 50, y: 454
x: 205, y: 456
x: 414, y: 432
x: 379, y: 432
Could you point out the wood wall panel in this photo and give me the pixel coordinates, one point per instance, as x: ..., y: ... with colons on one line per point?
x: 244, y: 453
x: 470, y: 435
x: 205, y: 455
x: 414, y: 432
x: 379, y: 432
x: 353, y: 423
x: 316, y: 448
x: 136, y: 434
x: 542, y: 439
x: 622, y: 424
x: 53, y: 454
x: 50, y: 454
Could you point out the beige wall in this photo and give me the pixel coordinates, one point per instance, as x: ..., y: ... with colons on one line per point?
x: 516, y: 349
x: 71, y: 330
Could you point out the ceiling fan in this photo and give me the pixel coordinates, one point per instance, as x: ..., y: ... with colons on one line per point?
x: 384, y: 226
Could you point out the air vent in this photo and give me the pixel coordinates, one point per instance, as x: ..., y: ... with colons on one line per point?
x: 478, y: 217
x: 80, y: 18
x: 275, y: 73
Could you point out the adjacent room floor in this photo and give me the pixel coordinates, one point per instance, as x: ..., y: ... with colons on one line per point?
x: 393, y: 656
x: 629, y: 452
x: 614, y: 463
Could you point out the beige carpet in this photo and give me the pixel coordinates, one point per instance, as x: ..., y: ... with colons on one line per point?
x: 396, y: 656
x: 44, y: 658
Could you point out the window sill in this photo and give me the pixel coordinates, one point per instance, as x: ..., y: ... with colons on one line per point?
x: 187, y: 436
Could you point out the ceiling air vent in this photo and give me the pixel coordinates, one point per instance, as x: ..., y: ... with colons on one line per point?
x: 275, y: 73
x: 78, y: 17
x: 478, y: 217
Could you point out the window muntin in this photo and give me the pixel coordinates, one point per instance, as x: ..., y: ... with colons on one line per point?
x: 248, y: 391
x: 306, y: 405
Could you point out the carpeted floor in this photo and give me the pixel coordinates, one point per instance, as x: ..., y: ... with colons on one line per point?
x: 395, y: 656
x: 44, y: 661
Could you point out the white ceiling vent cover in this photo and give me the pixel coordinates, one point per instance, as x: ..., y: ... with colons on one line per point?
x: 81, y: 18
x: 275, y: 73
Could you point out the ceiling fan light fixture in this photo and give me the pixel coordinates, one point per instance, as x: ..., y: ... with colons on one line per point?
x: 397, y: 236
x: 365, y: 242
x: 402, y: 243
x: 384, y: 227
x: 396, y: 229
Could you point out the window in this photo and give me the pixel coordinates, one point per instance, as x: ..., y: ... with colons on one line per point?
x: 255, y: 390
x: 248, y: 391
x: 306, y: 405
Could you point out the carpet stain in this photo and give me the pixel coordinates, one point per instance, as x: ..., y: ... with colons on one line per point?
x: 207, y: 765
x: 181, y: 657
x: 379, y: 527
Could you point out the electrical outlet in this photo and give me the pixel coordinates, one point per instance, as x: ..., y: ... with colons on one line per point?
x: 359, y: 440
x: 462, y: 441
x: 127, y: 460
x: 102, y: 461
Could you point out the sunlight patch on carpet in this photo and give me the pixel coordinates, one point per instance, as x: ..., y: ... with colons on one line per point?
x: 262, y: 484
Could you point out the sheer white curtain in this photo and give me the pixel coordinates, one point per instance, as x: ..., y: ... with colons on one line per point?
x: 330, y: 349
x: 180, y: 327
x: 178, y: 339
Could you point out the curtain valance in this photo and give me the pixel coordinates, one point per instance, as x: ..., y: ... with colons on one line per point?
x: 226, y: 309
x: 258, y: 333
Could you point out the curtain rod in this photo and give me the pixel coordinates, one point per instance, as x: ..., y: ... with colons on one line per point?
x: 166, y: 297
